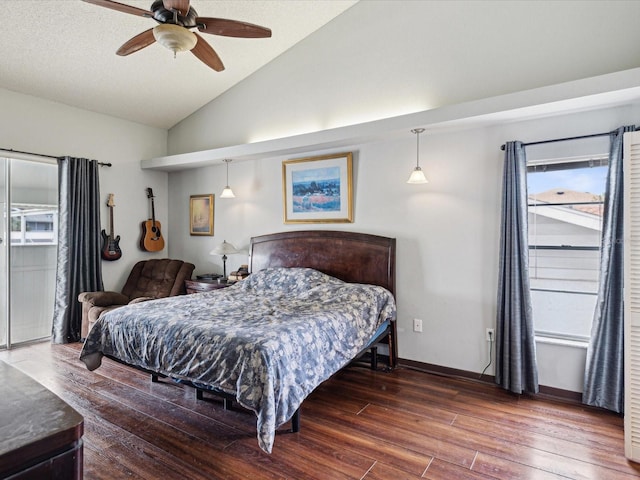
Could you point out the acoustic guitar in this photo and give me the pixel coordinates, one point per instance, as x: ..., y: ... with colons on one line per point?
x: 151, y: 239
x: 110, y: 243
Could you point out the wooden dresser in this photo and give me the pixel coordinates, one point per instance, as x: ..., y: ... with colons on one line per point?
x: 40, y: 435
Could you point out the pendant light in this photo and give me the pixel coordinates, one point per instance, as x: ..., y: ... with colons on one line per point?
x: 227, y: 192
x: 417, y: 176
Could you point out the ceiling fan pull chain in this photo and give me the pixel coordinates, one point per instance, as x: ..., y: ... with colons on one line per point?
x: 175, y: 21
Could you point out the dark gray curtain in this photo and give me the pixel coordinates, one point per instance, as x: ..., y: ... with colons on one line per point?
x: 604, y: 371
x: 79, y: 266
x: 516, y: 367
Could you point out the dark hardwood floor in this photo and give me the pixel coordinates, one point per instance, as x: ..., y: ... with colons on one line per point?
x: 358, y: 425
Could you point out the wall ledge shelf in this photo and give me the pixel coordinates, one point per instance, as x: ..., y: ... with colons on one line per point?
x: 603, y: 91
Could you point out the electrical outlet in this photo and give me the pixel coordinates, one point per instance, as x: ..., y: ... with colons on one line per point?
x: 417, y: 325
x: 490, y: 334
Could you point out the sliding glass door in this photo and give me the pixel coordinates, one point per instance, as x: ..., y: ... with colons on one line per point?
x: 28, y: 250
x: 4, y: 242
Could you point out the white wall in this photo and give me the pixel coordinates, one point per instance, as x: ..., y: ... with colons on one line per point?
x: 385, y: 58
x: 35, y: 125
x: 447, y: 231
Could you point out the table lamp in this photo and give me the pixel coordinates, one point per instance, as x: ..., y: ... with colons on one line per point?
x: 224, y: 249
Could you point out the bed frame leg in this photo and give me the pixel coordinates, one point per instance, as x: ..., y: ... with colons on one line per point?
x: 226, y: 402
x: 374, y: 358
x: 295, y: 421
x: 392, y: 342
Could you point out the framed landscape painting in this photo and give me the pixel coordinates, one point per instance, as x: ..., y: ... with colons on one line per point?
x: 201, y: 215
x: 318, y: 189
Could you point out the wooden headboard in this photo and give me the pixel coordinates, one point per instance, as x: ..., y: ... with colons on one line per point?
x: 349, y: 256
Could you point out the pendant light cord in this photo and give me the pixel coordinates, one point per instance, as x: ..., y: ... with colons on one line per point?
x: 417, y: 131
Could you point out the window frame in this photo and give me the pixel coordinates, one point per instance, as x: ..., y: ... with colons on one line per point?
x: 550, y: 165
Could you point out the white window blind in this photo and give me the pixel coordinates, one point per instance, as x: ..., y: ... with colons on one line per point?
x: 632, y: 294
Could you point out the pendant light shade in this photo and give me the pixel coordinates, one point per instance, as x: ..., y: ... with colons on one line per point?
x: 227, y: 192
x: 417, y: 176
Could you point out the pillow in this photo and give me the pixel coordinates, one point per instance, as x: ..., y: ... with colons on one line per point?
x: 293, y: 280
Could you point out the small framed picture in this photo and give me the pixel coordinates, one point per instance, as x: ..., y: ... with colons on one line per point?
x: 318, y: 189
x: 201, y: 215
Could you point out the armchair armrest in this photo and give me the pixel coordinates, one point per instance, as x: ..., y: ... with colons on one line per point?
x: 141, y: 299
x: 103, y: 299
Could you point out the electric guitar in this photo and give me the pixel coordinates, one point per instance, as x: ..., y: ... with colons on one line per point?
x: 110, y: 244
x: 151, y: 239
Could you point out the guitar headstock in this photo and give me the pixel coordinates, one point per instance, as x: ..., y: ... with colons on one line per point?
x: 110, y: 201
x: 149, y: 193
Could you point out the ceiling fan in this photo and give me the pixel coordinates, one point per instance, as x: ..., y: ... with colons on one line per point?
x: 175, y: 20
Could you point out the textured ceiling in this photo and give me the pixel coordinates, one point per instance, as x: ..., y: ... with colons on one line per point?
x: 64, y: 50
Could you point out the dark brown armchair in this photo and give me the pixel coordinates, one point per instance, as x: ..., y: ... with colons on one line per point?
x: 149, y: 279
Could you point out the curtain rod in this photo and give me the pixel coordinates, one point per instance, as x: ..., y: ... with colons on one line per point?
x: 564, y: 139
x: 102, y: 164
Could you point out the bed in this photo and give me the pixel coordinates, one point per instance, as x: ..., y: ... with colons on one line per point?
x: 315, y: 301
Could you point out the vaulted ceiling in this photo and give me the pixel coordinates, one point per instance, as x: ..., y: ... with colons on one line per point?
x: 64, y: 51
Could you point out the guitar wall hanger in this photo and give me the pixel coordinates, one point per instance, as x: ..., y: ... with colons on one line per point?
x: 151, y: 240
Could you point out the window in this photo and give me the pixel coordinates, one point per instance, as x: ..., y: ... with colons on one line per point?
x: 566, y: 200
x: 34, y: 224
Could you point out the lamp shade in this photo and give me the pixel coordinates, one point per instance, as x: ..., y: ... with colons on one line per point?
x: 417, y: 176
x: 227, y: 193
x: 174, y: 37
x: 225, y: 248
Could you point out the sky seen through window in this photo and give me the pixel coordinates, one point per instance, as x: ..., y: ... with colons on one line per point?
x: 588, y: 179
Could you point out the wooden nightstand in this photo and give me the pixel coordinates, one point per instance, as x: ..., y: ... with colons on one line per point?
x: 197, y: 286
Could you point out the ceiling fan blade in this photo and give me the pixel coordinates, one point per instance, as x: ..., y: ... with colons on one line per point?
x: 121, y: 7
x: 182, y: 6
x: 138, y: 42
x: 231, y: 28
x: 207, y: 54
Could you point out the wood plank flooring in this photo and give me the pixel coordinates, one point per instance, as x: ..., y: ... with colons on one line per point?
x: 358, y: 425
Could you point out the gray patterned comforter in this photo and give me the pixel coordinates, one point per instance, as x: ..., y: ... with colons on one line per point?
x: 270, y: 340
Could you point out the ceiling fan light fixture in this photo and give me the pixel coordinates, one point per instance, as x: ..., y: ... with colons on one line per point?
x: 174, y: 37
x: 176, y: 19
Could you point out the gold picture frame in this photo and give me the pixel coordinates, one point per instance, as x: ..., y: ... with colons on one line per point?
x: 318, y: 189
x: 201, y: 214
